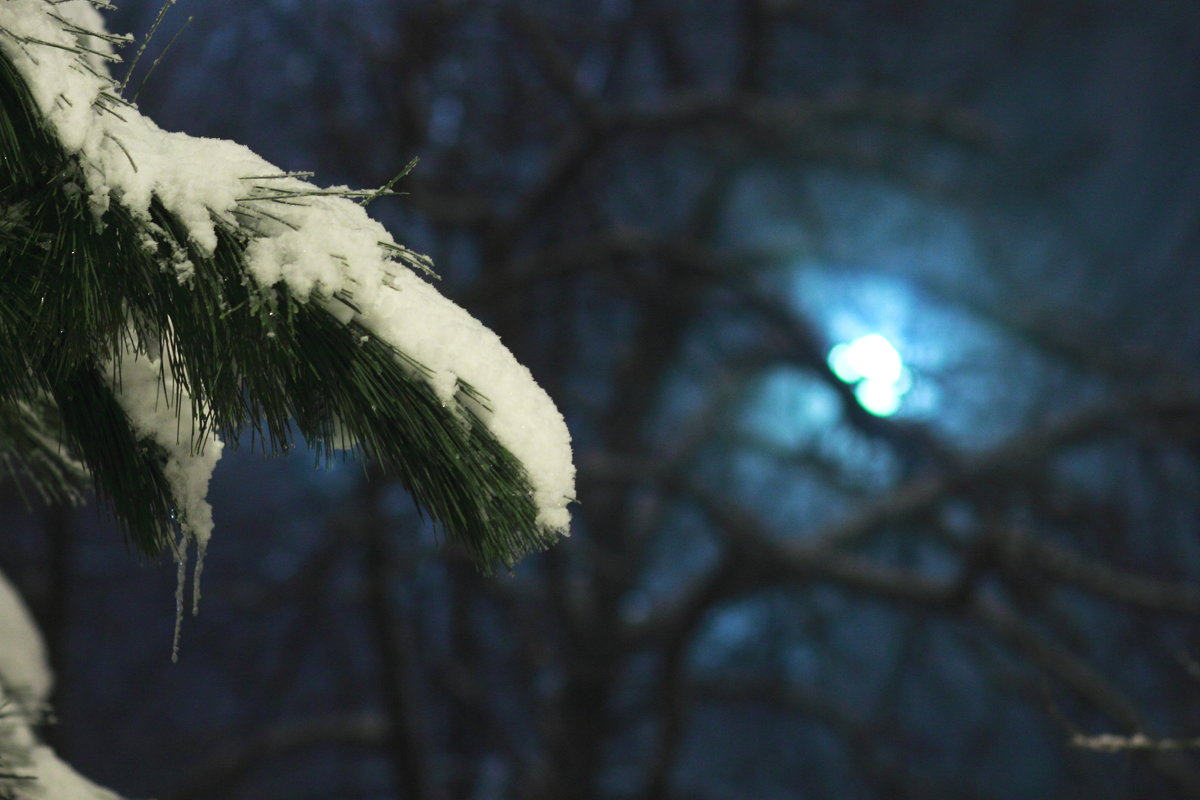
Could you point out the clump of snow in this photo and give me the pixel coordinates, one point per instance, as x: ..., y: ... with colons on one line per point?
x: 25, y: 682
x: 54, y: 779
x: 162, y: 411
x: 457, y: 347
x: 317, y: 243
x: 24, y: 672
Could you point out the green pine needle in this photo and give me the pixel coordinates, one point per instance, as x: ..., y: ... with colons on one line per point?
x: 28, y: 455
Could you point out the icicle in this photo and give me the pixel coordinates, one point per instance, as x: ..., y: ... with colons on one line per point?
x: 201, y: 549
x: 180, y: 580
x: 186, y: 537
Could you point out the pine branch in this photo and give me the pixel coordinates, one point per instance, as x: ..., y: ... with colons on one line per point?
x: 127, y: 471
x: 86, y: 282
x: 29, y: 453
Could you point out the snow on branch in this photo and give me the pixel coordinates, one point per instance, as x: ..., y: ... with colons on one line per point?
x: 232, y: 271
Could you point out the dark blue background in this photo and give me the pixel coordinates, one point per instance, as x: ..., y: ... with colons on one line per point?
x: 672, y: 211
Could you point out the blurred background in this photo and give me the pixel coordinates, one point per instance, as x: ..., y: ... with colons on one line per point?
x: 875, y: 323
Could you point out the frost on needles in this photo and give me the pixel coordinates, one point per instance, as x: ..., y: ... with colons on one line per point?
x: 164, y: 292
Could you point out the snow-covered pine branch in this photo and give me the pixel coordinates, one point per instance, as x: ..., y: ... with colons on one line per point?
x: 163, y: 291
x: 29, y: 770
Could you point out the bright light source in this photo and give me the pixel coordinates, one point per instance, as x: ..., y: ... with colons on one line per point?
x: 880, y: 398
x: 869, y: 357
x: 875, y: 367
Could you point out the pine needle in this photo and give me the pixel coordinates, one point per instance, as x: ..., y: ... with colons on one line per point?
x: 162, y: 12
x: 158, y: 59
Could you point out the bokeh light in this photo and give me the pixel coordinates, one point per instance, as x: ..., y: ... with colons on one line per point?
x: 877, y: 371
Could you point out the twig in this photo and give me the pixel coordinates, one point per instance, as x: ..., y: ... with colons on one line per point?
x: 1114, y: 743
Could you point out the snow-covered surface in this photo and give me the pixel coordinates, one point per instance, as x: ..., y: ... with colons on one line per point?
x: 24, y: 671
x: 320, y: 245
x: 55, y: 780
x: 25, y: 683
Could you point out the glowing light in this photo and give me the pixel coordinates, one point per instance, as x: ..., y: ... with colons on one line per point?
x: 874, y: 366
x: 881, y: 399
x: 869, y: 357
